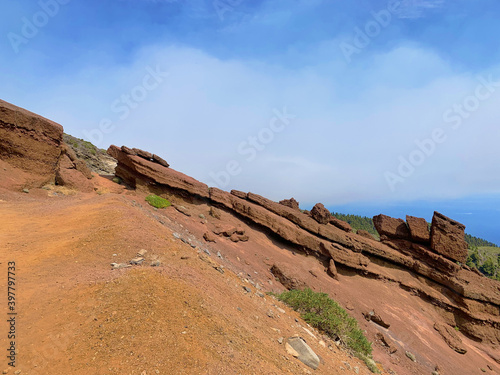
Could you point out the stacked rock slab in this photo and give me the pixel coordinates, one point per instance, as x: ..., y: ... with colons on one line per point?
x: 30, y: 142
x: 448, y: 238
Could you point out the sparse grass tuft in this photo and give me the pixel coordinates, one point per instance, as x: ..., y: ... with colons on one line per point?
x: 321, y: 312
x: 158, y: 202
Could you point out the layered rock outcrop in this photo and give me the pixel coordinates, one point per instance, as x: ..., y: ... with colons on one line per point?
x: 35, y: 144
x: 30, y: 142
x: 475, y: 302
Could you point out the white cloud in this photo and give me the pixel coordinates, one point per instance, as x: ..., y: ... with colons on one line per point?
x: 417, y: 8
x: 353, y: 123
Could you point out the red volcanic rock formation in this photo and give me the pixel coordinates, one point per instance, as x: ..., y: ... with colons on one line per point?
x: 292, y: 203
x: 137, y: 171
x: 390, y: 227
x: 419, y: 230
x: 321, y: 214
x: 448, y: 238
x: 474, y: 297
x: 30, y: 142
x: 34, y: 144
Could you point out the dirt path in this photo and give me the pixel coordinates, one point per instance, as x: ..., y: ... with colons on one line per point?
x: 77, y: 316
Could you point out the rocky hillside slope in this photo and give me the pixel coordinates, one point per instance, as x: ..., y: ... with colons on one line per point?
x: 108, y: 284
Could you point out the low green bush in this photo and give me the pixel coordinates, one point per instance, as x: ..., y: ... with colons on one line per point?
x: 323, y: 313
x: 158, y: 202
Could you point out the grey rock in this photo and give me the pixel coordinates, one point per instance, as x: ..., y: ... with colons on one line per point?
x: 141, y: 253
x: 137, y: 261
x: 280, y: 340
x: 219, y: 254
x: 411, y: 356
x: 202, y: 216
x: 155, y: 263
x: 176, y: 235
x: 247, y: 289
x: 298, y: 348
x: 26, y: 191
x: 207, y: 252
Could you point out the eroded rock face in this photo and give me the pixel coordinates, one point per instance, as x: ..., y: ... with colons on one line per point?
x: 321, y: 214
x: 30, y: 142
x: 391, y: 227
x: 448, y: 238
x: 419, y: 230
x: 292, y: 203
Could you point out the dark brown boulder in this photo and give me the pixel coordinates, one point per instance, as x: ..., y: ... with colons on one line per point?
x: 128, y: 151
x: 448, y: 238
x: 143, y: 154
x: 30, y: 142
x: 341, y: 224
x: 292, y: 203
x: 419, y: 229
x: 209, y: 237
x: 157, y: 159
x: 234, y: 237
x: 321, y: 214
x: 391, y: 227
x: 243, y: 237
x: 376, y: 318
x: 450, y: 337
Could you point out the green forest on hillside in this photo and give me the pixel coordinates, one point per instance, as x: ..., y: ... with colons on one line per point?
x: 483, y: 255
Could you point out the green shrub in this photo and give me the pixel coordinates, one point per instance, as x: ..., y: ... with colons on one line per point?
x: 321, y: 312
x: 158, y: 202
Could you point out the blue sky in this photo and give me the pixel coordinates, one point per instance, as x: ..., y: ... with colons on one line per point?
x: 371, y: 104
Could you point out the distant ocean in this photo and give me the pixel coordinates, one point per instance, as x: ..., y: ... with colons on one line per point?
x: 480, y: 214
